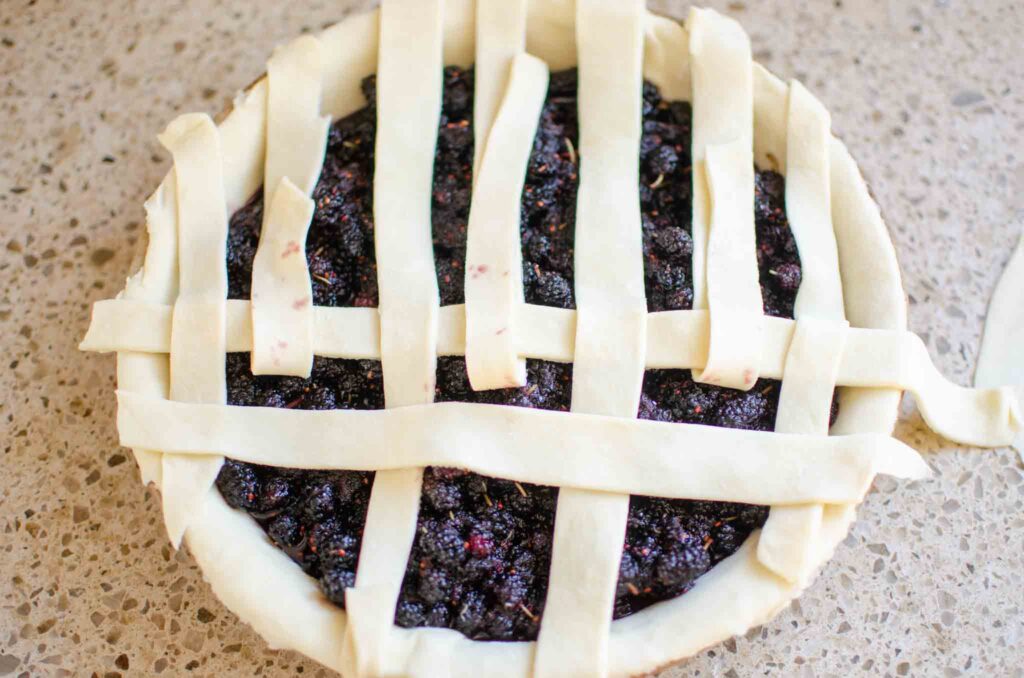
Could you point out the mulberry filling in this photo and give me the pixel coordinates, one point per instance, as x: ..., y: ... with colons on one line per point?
x: 482, y: 549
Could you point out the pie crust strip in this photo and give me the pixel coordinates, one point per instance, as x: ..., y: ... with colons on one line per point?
x: 611, y: 326
x: 500, y: 38
x: 667, y: 57
x: 586, y: 451
x: 282, y: 295
x: 725, y: 272
x: 805, y: 404
x: 296, y: 132
x: 198, y: 347
x: 494, y: 270
x: 409, y: 85
x: 998, y: 361
x: 873, y: 359
x: 809, y: 206
x: 787, y: 540
x: 156, y: 281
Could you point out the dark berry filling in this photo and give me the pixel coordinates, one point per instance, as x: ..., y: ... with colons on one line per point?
x: 666, y: 203
x: 548, y: 209
x: 453, y: 184
x: 339, y: 247
x: 482, y: 550
x: 316, y: 517
x: 480, y: 559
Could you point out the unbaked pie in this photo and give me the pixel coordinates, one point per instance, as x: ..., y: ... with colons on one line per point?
x: 507, y: 321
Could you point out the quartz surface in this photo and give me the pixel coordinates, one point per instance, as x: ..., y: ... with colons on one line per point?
x: 927, y: 94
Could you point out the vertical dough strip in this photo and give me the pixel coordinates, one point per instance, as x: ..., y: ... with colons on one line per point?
x: 409, y: 85
x: 611, y: 327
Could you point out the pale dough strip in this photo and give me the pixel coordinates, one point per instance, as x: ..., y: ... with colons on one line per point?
x: 494, y: 270
x: 805, y: 403
x: 899, y: 360
x: 500, y: 37
x: 157, y: 281
x: 409, y: 84
x: 720, y: 68
x: 733, y: 287
x: 809, y: 206
x: 296, y: 132
x: 197, y: 348
x: 874, y: 358
x: 787, y: 541
x: 725, y: 274
x: 587, y: 451
x: 1004, y: 329
x: 611, y: 325
x: 338, y: 331
x: 282, y: 296
x: 998, y: 363
x: 667, y: 54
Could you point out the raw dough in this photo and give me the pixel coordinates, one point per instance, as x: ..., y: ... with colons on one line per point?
x: 1000, y: 361
x: 494, y: 267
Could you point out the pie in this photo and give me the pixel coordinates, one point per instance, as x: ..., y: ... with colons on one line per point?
x: 504, y: 354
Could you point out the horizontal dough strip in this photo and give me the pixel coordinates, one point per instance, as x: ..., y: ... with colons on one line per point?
x: 675, y: 339
x: 594, y: 452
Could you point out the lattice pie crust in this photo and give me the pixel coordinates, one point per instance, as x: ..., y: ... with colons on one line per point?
x: 172, y: 326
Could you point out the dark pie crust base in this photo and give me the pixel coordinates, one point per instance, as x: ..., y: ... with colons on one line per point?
x: 480, y: 560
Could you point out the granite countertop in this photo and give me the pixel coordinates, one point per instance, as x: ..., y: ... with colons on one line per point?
x: 927, y: 94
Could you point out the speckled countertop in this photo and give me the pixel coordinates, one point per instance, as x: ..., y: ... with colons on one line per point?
x: 927, y: 94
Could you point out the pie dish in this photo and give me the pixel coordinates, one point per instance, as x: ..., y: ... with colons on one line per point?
x: 500, y: 373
